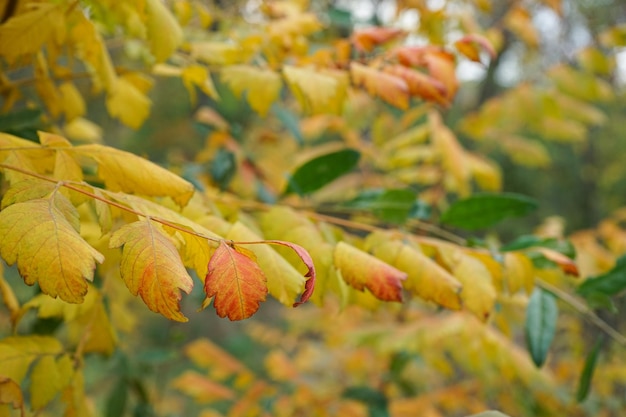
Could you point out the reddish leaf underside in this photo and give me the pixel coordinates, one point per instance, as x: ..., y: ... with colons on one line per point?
x: 236, y: 281
x: 309, y: 287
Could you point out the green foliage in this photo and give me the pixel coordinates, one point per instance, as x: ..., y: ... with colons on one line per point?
x: 541, y: 319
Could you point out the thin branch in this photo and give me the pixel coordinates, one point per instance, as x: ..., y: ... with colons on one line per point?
x: 586, y: 312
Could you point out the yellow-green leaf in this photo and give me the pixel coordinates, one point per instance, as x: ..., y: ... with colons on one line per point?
x: 262, y: 85
x: 124, y: 171
x: 17, y: 353
x: 164, y: 33
x: 196, y: 75
x: 316, y: 92
x: 48, y: 378
x: 152, y: 268
x: 41, y: 235
x: 127, y: 103
x: 72, y: 101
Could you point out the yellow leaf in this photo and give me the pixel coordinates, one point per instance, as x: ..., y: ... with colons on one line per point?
x: 218, y: 53
x: 11, y: 394
x: 41, y: 235
x: 48, y: 378
x: 518, y: 272
x: 127, y: 103
x: 316, y: 92
x: 33, y: 28
x: 362, y: 270
x: 124, y: 171
x: 593, y: 60
x: 284, y: 282
x: 164, y: 33
x: 581, y: 85
x: 17, y: 353
x: 196, y: 75
x: 526, y: 152
x: 90, y: 48
x: 8, y: 297
x: 207, y: 354
x: 46, y: 89
x: 486, y: 173
x: 519, y: 21
x: 261, y: 85
x: 479, y: 294
x: 152, y: 268
x: 201, y: 388
x: 74, y: 397
x: 72, y: 101
x: 83, y: 130
x: 453, y: 156
x: 25, y: 190
x: 87, y: 322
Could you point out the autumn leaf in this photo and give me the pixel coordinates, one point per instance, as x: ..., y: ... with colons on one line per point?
x: 390, y: 88
x: 124, y: 171
x: 362, y: 270
x: 317, y: 92
x: 365, y: 40
x: 420, y: 84
x: 261, y: 85
x: 127, y: 103
x: 473, y: 44
x: 236, y: 281
x: 302, y: 253
x: 197, y: 75
x: 49, y: 376
x: 33, y: 28
x: 10, y: 393
x: 164, y: 33
x: 201, y: 388
x: 152, y: 268
x: 17, y: 353
x: 478, y: 294
x: 41, y: 235
x: 284, y: 282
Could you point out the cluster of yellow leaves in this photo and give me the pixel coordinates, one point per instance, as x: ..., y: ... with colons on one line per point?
x: 562, y: 114
x: 47, y: 230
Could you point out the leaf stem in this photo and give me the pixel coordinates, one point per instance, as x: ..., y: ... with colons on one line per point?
x: 580, y: 306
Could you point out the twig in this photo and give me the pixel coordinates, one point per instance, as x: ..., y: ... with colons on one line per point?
x: 580, y: 306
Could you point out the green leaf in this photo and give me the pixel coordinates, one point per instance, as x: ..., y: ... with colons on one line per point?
x: 322, y: 170
x: 23, y: 123
x: 116, y: 402
x: 486, y: 209
x: 541, y: 316
x: 223, y: 167
x: 393, y: 206
x: 584, y: 384
x: 528, y: 241
x: 610, y: 283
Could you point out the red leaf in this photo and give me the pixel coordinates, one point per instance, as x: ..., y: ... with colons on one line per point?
x: 236, y: 281
x: 367, y: 39
x: 308, y: 261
